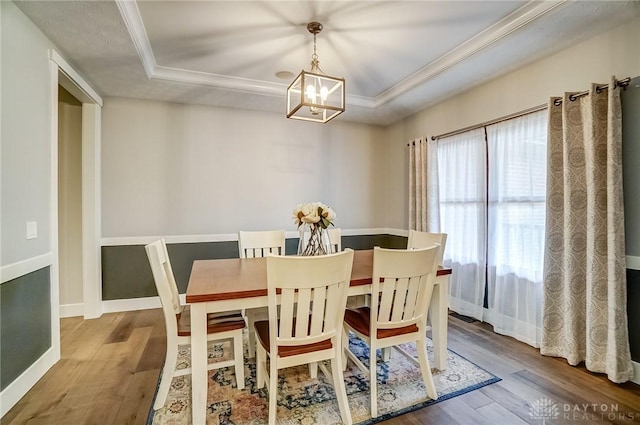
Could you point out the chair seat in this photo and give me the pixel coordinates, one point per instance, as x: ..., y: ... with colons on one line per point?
x: 360, y: 320
x: 262, y: 334
x: 216, y: 322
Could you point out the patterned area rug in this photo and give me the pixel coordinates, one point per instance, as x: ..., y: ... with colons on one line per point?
x: 302, y: 400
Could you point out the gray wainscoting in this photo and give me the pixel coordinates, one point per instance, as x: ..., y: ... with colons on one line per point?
x: 126, y: 272
x: 25, y: 323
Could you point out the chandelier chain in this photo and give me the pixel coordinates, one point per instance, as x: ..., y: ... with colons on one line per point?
x: 315, y: 54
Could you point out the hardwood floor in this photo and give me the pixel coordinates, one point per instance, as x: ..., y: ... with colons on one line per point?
x: 110, y: 366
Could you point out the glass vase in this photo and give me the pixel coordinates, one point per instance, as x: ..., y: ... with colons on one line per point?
x: 314, y: 240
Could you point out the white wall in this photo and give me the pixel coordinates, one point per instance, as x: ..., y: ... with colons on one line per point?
x: 174, y: 169
x: 596, y: 60
x: 25, y: 170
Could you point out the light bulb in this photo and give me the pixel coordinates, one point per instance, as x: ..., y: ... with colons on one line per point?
x: 311, y: 92
x: 324, y: 92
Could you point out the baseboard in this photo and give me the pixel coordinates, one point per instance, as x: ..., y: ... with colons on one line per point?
x: 71, y: 310
x: 130, y: 304
x: 636, y: 373
x: 23, y: 383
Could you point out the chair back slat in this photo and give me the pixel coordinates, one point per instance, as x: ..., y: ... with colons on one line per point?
x: 402, y: 286
x: 331, y: 308
x: 313, y: 294
x: 412, y: 294
x: 400, y: 299
x: 287, y: 312
x: 386, y: 300
x: 319, y: 306
x: 261, y: 243
x: 302, y: 311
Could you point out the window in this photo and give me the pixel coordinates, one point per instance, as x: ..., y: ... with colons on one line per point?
x: 492, y: 185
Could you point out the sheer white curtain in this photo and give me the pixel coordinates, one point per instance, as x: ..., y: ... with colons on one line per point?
x: 462, y: 191
x: 516, y: 217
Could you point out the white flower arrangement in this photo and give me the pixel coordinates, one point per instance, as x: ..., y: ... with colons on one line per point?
x: 314, y: 213
x: 312, y: 219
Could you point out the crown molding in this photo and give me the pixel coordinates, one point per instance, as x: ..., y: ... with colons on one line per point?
x: 133, y: 21
x: 525, y: 15
x: 216, y: 80
x: 501, y: 29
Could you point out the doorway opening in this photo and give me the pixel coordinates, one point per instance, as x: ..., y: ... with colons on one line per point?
x: 70, y: 204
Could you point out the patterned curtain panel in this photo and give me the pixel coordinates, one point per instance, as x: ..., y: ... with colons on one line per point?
x: 585, y: 304
x: 418, y: 185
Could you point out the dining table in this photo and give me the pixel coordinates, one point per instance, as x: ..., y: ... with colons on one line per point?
x: 219, y: 285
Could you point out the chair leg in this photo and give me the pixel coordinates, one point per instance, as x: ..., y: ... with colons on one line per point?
x: 167, y: 375
x: 373, y: 381
x: 313, y: 370
x: 252, y: 333
x: 425, y: 368
x: 273, y: 392
x: 238, y: 356
x: 345, y: 347
x: 261, y: 364
x: 338, y: 386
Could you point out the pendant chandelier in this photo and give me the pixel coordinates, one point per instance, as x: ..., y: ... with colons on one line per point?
x: 314, y: 96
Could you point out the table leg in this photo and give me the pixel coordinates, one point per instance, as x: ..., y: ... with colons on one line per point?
x: 439, y: 310
x: 199, y: 363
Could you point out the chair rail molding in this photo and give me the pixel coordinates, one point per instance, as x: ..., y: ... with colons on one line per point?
x: 24, y: 267
x: 633, y: 263
x: 636, y: 374
x: 230, y: 237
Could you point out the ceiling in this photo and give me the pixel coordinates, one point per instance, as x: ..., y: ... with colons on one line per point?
x: 397, y: 57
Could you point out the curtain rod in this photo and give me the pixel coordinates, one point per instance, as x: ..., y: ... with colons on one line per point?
x: 495, y: 121
x: 619, y: 83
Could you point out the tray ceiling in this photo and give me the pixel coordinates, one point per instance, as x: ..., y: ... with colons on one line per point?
x: 397, y: 56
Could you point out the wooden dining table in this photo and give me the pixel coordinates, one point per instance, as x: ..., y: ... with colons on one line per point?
x: 233, y: 284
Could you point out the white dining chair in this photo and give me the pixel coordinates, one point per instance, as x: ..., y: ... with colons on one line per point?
x: 335, y: 238
x: 402, y: 285
x: 418, y: 239
x: 335, y: 242
x: 306, y: 301
x: 220, y: 326
x: 257, y: 244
